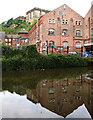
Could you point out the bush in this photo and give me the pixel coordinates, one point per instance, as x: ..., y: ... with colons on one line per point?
x: 27, y: 58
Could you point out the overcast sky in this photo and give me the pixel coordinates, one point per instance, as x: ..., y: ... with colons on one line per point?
x: 15, y: 8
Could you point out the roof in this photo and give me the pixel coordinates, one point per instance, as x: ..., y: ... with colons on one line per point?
x: 38, y: 9
x: 2, y: 34
x: 23, y: 31
x: 12, y: 36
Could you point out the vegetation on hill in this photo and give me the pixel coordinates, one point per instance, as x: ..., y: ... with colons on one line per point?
x: 27, y: 58
x: 15, y: 26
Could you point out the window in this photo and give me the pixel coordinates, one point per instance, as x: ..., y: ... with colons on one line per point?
x: 65, y: 44
x: 92, y: 31
x: 60, y: 48
x: 9, y: 40
x: 6, y: 40
x: 66, y: 21
x: 64, y: 32
x: 78, y: 45
x: 62, y: 21
x: 51, y: 44
x: 13, y: 39
x: 76, y: 22
x: 60, y: 12
x: 78, y: 33
x: 5, y: 43
x: 49, y: 21
x: 53, y: 21
x: 26, y: 40
x: 51, y: 32
x: 79, y: 22
x: 9, y: 43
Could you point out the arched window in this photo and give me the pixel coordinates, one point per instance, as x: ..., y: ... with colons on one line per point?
x: 64, y: 32
x: 78, y: 33
x: 65, y: 44
x: 51, y: 32
x: 92, y: 31
x: 78, y: 45
x: 51, y: 44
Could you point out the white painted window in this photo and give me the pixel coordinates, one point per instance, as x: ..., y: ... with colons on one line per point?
x: 63, y: 22
x: 79, y: 22
x: 64, y: 32
x: 78, y: 33
x: 65, y: 44
x: 26, y: 40
x: 49, y: 21
x: 78, y: 45
x: 6, y: 40
x: 53, y: 21
x: 51, y: 32
x: 5, y: 43
x: 17, y: 44
x: 9, y: 40
x: 60, y: 12
x: 66, y: 21
x: 9, y: 43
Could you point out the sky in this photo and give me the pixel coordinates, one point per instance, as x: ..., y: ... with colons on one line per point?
x: 14, y: 8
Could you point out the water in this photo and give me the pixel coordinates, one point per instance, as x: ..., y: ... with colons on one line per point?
x: 48, y: 93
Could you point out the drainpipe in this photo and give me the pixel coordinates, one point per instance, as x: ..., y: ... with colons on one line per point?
x: 37, y: 31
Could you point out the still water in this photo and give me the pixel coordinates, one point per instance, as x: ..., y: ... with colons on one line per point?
x: 47, y: 93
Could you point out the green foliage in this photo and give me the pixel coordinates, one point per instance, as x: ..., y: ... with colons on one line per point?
x: 9, y: 29
x: 26, y: 57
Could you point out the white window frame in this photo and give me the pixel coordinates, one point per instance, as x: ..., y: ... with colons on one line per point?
x: 78, y: 45
x: 63, y: 22
x: 49, y: 21
x: 5, y: 40
x: 53, y: 21
x: 65, y: 44
x: 9, y: 40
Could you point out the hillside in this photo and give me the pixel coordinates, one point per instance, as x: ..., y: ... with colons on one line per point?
x: 15, y: 26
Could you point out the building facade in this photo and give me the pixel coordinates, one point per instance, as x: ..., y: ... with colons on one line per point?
x: 35, y: 13
x: 16, y: 40
x: 62, y: 30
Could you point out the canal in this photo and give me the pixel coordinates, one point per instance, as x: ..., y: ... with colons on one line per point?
x: 55, y: 93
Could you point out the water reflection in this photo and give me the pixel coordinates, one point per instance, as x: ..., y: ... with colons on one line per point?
x: 56, y: 90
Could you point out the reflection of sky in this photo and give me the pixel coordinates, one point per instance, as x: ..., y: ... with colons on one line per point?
x: 16, y: 106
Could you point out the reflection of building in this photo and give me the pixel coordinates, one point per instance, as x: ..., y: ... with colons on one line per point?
x: 35, y: 13
x: 64, y: 96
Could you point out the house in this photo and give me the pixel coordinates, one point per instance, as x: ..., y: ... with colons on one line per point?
x: 17, y: 40
x: 62, y: 30
x: 35, y: 13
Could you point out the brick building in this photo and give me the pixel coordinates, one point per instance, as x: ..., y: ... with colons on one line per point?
x: 16, y: 40
x: 35, y: 13
x: 62, y: 30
